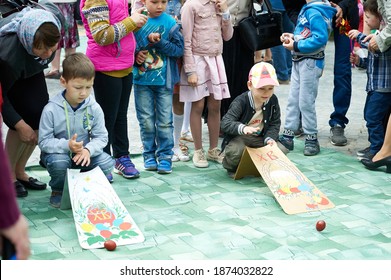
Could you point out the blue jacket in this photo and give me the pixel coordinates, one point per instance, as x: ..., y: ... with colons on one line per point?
x: 160, y: 67
x: 313, y: 27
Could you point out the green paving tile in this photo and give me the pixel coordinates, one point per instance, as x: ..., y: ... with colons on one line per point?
x: 204, y: 214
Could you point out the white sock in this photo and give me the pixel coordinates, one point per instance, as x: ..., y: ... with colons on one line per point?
x: 186, y: 117
x: 178, y: 120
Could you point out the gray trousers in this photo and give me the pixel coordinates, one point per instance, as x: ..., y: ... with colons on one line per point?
x: 302, y: 95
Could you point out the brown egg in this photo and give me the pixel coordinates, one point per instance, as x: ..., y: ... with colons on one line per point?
x: 110, y: 245
x: 320, y: 225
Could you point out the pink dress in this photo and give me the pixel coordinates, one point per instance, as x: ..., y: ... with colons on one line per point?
x: 204, y: 30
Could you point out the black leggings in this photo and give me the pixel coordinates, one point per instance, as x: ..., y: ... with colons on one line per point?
x: 113, y: 95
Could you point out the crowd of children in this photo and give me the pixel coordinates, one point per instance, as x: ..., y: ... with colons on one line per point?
x: 171, y: 51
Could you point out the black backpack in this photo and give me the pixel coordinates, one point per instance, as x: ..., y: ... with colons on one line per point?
x: 8, y: 7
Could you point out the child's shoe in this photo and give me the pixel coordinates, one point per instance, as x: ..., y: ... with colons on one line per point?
x: 286, y: 139
x: 199, y: 159
x: 55, y: 199
x: 186, y: 136
x: 109, y: 177
x: 125, y: 167
x: 150, y: 164
x: 181, y: 153
x: 215, y: 155
x: 311, y: 147
x: 164, y: 166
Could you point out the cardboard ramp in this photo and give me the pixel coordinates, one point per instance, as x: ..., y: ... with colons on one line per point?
x: 291, y: 188
x: 98, y: 212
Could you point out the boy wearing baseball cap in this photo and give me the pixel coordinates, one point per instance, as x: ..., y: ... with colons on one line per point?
x: 253, y: 118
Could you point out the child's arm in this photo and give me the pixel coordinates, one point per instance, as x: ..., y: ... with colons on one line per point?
x: 47, y: 141
x: 230, y: 123
x: 274, y: 120
x: 319, y: 35
x: 104, y: 33
x: 174, y: 46
x: 188, y: 16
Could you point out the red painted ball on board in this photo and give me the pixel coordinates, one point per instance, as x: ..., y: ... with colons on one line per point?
x: 110, y: 245
x: 320, y: 225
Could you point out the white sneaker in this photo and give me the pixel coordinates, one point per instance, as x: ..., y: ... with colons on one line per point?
x: 199, y: 159
x: 216, y: 155
x: 186, y: 136
x: 181, y: 153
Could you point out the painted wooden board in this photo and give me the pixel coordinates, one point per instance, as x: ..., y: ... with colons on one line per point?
x: 98, y: 212
x: 291, y: 188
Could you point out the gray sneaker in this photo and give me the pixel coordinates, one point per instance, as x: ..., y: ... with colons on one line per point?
x: 311, y: 147
x: 337, y: 136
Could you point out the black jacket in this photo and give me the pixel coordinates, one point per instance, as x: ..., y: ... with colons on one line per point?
x: 241, y: 111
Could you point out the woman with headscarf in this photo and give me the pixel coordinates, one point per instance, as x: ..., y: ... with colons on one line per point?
x: 28, y: 40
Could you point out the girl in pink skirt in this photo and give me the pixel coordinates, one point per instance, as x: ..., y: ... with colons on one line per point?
x: 205, y: 23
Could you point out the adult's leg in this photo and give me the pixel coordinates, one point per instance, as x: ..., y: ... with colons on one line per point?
x: 18, y: 153
x: 385, y: 150
x: 342, y: 92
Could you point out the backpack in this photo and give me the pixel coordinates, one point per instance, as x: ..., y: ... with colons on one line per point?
x: 8, y: 7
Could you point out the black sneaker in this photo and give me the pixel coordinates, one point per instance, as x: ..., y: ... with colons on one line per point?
x: 311, y: 148
x: 365, y: 154
x: 287, y: 142
x: 337, y: 136
x: 362, y: 152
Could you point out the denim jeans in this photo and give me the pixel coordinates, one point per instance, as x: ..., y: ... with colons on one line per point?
x: 57, y: 165
x: 154, y: 114
x: 376, y: 108
x: 302, y: 95
x: 282, y: 58
x: 342, y: 79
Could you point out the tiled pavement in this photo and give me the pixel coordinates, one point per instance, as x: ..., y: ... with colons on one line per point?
x: 203, y: 214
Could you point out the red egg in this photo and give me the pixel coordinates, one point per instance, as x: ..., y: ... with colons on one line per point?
x: 110, y: 245
x: 320, y: 225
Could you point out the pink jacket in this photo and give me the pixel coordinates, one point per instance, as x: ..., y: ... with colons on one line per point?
x: 203, y: 30
x: 116, y: 56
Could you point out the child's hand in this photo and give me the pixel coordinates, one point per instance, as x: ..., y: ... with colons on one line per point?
x: 353, y: 34
x: 83, y: 158
x: 251, y: 130
x: 288, y: 44
x: 222, y: 5
x: 354, y: 58
x: 138, y: 18
x: 141, y: 56
x: 154, y: 37
x: 286, y: 36
x: 192, y: 80
x: 74, y: 146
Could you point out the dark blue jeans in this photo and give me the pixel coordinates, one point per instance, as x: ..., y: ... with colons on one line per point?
x: 342, y: 79
x: 376, y: 109
x: 282, y: 58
